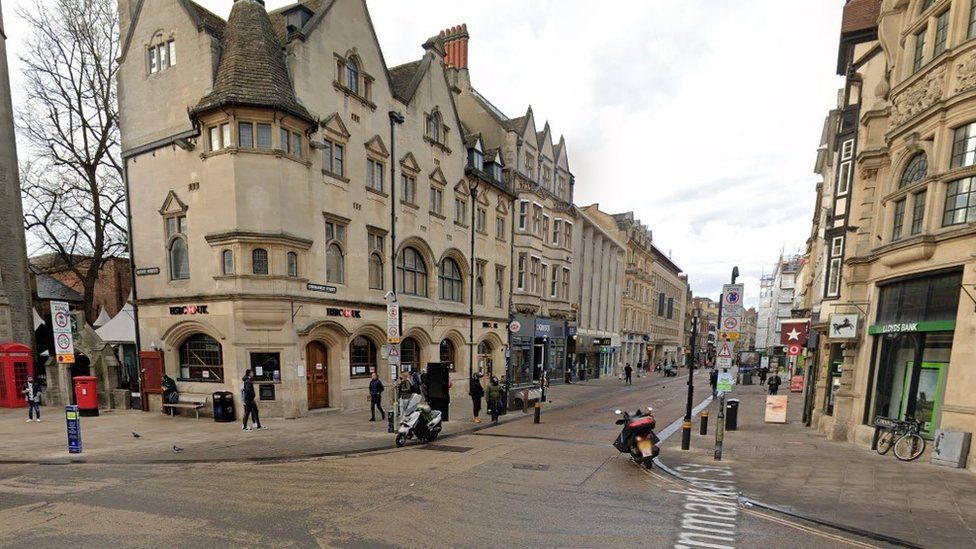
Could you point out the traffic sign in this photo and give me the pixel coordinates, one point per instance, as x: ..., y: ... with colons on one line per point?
x: 731, y: 323
x: 725, y: 349
x: 724, y: 384
x: 729, y: 336
x: 393, y: 322
x: 515, y: 326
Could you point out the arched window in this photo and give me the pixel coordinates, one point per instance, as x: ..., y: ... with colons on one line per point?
x: 447, y: 353
x: 292, y: 264
x: 409, y: 355
x: 259, y: 261
x: 915, y: 171
x: 352, y: 74
x: 412, y: 272
x: 452, y: 286
x: 335, y: 267
x: 375, y: 271
x: 227, y: 260
x: 179, y: 259
x: 362, y: 357
x: 434, y: 126
x: 201, y: 359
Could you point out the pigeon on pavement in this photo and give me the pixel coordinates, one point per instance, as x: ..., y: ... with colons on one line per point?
x: 177, y: 449
x: 136, y: 435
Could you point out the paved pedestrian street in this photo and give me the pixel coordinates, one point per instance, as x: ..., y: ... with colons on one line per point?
x: 556, y: 484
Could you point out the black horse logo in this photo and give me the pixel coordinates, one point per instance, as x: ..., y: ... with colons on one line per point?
x: 842, y: 325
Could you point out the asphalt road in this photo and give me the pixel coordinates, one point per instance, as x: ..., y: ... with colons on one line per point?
x: 556, y: 484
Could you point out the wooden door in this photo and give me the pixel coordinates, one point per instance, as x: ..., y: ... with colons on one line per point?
x: 317, y: 365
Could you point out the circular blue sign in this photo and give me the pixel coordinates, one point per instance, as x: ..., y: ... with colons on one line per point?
x: 732, y: 297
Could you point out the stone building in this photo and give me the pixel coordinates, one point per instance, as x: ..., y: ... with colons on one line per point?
x: 536, y: 167
x: 265, y: 156
x: 638, y: 290
x: 16, y: 319
x: 905, y: 158
x: 776, y: 294
x: 667, y: 318
x: 598, y: 287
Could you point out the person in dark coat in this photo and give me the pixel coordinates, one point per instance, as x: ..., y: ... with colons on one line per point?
x: 774, y: 382
x: 629, y: 374
x: 495, y: 397
x: 32, y: 392
x: 250, y: 406
x: 477, y: 392
x: 376, y: 397
x: 713, y: 381
x: 763, y: 372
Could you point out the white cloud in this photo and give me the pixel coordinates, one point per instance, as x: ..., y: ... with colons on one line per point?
x: 702, y: 116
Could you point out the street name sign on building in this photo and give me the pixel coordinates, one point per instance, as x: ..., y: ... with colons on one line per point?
x: 64, y: 343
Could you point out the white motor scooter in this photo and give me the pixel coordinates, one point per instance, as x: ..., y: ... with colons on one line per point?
x: 418, y: 420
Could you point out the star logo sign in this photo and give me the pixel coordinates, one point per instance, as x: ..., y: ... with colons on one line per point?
x: 794, y: 334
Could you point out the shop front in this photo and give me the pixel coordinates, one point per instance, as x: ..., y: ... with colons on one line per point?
x: 912, y: 341
x: 538, y: 345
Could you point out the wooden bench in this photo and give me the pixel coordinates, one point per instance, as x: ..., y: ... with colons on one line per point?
x: 188, y: 401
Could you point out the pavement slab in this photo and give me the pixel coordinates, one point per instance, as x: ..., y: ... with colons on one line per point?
x: 793, y: 467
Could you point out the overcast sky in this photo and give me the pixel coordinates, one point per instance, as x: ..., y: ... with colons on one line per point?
x: 701, y: 116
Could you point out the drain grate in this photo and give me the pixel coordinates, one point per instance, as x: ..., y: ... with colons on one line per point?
x: 531, y: 466
x: 444, y: 448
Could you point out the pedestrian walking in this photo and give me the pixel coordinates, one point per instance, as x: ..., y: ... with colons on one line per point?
x: 774, y: 382
x: 405, y: 390
x: 32, y: 392
x: 376, y: 397
x: 713, y: 381
x: 477, y: 392
x: 495, y: 396
x: 629, y: 374
x: 250, y: 406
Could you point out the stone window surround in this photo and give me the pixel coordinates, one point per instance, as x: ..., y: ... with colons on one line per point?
x: 366, y: 80
x: 159, y: 38
x: 241, y: 244
x: 277, y: 123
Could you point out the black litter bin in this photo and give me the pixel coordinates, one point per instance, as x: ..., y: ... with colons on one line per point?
x: 731, y: 414
x: 747, y: 377
x: 223, y: 407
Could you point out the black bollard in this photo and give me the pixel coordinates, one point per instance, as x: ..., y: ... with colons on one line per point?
x: 686, y: 435
x: 703, y: 425
x: 538, y: 412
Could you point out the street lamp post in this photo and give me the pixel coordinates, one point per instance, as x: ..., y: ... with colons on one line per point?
x: 471, y: 345
x: 396, y: 119
x: 720, y: 426
x: 686, y: 426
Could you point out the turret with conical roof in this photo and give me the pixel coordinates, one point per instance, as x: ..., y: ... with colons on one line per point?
x: 252, y: 71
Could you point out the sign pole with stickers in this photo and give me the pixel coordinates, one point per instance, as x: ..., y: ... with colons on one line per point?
x: 394, y: 326
x: 729, y: 306
x: 64, y: 343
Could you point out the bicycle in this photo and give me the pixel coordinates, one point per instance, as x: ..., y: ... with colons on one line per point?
x: 903, y: 436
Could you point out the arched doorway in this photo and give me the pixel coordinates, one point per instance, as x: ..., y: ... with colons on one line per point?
x: 317, y: 377
x: 485, y: 363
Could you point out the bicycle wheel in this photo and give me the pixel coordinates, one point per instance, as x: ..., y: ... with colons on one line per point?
x: 885, y: 442
x: 909, y: 447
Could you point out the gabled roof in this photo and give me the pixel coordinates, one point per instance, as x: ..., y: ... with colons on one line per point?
x: 406, y: 78
x: 202, y: 18
x: 49, y: 288
x: 516, y: 124
x: 278, y: 16
x: 252, y: 69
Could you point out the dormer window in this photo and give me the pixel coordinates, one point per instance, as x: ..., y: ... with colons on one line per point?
x: 352, y: 74
x: 162, y: 55
x: 496, y: 171
x: 352, y: 79
x: 476, y: 159
x: 436, y: 130
x: 295, y: 19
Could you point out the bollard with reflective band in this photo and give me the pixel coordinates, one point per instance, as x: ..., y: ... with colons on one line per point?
x: 538, y: 412
x: 703, y: 424
x: 73, y: 421
x: 686, y: 435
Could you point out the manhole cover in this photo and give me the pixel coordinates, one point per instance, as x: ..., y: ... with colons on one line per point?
x: 531, y: 466
x: 443, y: 448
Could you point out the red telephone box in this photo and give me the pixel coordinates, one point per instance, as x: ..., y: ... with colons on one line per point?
x: 16, y: 364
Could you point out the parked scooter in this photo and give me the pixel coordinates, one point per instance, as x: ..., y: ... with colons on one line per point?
x: 418, y: 420
x: 637, y: 437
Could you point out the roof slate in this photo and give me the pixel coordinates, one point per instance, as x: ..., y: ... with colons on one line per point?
x: 252, y: 68
x: 402, y: 77
x: 207, y: 20
x: 278, y: 16
x: 860, y: 15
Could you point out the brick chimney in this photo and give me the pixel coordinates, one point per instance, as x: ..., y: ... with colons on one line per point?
x: 455, y: 41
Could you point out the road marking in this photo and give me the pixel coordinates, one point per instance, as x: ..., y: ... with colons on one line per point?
x: 711, y: 508
x: 797, y: 526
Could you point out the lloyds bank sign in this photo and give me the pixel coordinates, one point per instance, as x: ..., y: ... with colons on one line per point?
x: 904, y: 327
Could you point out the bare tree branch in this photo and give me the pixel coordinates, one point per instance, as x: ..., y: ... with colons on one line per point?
x: 72, y: 186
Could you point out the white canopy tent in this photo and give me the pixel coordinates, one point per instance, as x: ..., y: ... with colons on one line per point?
x: 121, y: 328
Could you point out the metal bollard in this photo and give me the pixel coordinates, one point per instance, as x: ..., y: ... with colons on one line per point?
x: 703, y: 424
x: 538, y: 412
x: 389, y: 417
x: 686, y: 435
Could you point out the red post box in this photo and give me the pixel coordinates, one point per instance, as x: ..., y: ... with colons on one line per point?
x: 15, y: 365
x: 86, y: 395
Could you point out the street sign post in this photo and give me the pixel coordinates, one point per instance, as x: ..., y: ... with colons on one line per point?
x: 73, y: 422
x: 64, y: 344
x: 724, y: 353
x: 724, y: 384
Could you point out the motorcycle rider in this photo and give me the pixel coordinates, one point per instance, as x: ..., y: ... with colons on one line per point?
x: 495, y: 393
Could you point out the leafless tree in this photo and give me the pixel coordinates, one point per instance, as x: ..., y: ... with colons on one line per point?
x: 74, y: 198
